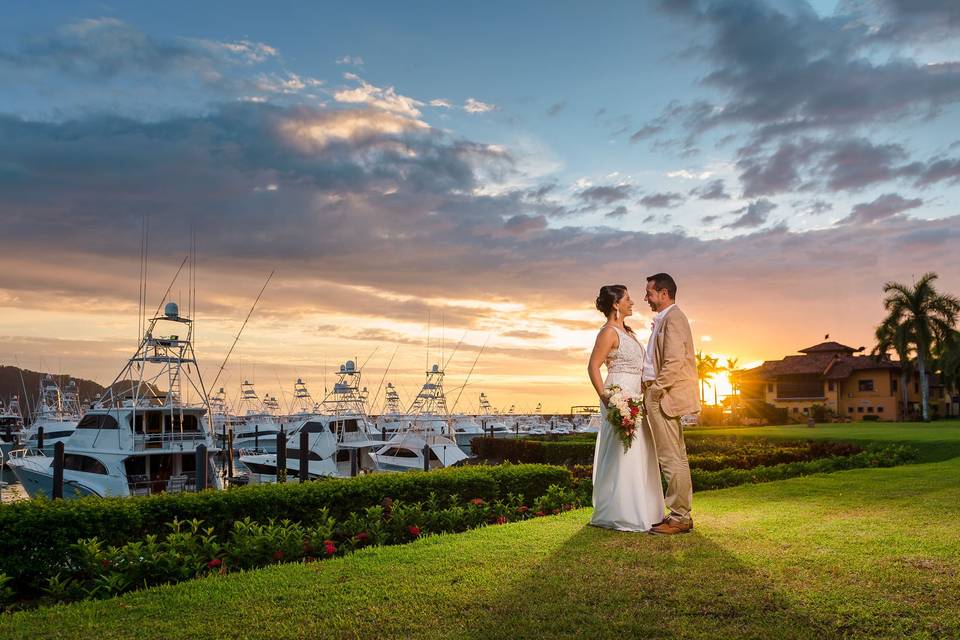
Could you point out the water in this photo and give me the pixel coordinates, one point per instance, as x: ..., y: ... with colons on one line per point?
x: 13, y: 491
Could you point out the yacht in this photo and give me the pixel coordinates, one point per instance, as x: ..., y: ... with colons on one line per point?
x: 57, y: 413
x: 142, y: 436
x: 259, y: 426
x: 341, y: 437
x: 11, y: 426
x: 426, y: 432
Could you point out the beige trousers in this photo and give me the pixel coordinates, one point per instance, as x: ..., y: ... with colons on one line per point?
x: 672, y: 456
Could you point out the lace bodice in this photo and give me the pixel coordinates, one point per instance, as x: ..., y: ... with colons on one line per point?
x: 628, y: 357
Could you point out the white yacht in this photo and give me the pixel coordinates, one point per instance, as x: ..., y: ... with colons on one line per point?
x: 259, y: 426
x: 426, y: 432
x: 341, y: 438
x: 11, y: 426
x: 57, y: 413
x: 143, y: 436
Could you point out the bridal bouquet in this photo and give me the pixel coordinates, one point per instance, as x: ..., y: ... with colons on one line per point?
x: 624, y: 413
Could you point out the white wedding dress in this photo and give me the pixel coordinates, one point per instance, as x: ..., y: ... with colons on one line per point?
x: 627, y: 494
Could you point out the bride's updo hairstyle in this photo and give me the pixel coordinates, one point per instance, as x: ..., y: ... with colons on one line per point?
x: 610, y: 295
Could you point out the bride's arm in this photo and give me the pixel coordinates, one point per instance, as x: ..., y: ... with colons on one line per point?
x: 606, y: 341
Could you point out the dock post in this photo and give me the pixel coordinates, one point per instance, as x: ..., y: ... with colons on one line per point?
x: 256, y: 436
x: 201, y: 464
x: 426, y: 457
x: 354, y: 455
x: 40, y: 439
x: 281, y: 456
x: 58, y: 458
x: 304, y: 455
x: 230, y: 455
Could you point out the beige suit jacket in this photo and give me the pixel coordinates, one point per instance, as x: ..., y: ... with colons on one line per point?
x: 675, y: 362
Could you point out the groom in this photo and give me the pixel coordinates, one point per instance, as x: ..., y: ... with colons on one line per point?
x: 669, y: 394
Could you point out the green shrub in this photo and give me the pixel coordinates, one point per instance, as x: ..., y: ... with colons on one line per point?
x: 38, y: 534
x: 94, y: 570
x: 567, y: 451
x: 871, y: 418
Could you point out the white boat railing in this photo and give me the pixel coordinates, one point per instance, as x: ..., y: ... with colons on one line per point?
x: 168, y: 440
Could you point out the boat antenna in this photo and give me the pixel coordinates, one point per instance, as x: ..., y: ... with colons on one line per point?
x: 283, y: 394
x: 480, y: 353
x: 373, y: 402
x: 428, y: 341
x: 23, y: 385
x: 239, y: 333
x: 454, y: 350
x: 172, y: 282
x: 369, y: 356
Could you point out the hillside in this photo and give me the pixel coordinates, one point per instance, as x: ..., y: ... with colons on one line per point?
x: 11, y: 384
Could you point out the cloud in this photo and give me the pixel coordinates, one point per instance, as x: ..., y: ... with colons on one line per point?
x: 353, y: 61
x: 286, y: 83
x: 523, y: 223
x: 753, y: 215
x: 605, y: 194
x: 108, y: 47
x: 556, y: 108
x: 619, y: 212
x: 381, y: 98
x: 713, y: 190
x: 786, y: 69
x: 661, y: 200
x: 472, y: 105
x: 885, y: 206
x: 441, y: 103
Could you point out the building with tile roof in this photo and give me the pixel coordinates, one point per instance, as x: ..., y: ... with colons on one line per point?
x: 847, y: 382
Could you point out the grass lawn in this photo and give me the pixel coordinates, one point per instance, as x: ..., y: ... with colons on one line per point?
x: 864, y: 553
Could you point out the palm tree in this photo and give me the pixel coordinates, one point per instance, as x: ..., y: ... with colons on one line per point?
x: 733, y: 375
x: 707, y: 367
x: 897, y: 337
x: 928, y: 318
x: 949, y: 362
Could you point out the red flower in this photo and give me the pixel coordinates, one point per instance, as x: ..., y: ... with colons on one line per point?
x: 523, y: 508
x: 501, y: 520
x: 105, y: 563
x: 414, y: 530
x: 477, y: 502
x: 634, y: 410
x: 363, y: 536
x: 329, y: 548
x: 278, y: 555
x: 213, y: 564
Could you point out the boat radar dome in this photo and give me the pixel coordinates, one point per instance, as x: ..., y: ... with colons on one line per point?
x: 436, y: 368
x: 350, y: 365
x: 171, y: 310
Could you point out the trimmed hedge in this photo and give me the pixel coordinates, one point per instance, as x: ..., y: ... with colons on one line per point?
x: 705, y: 452
x: 37, y: 534
x: 534, y: 451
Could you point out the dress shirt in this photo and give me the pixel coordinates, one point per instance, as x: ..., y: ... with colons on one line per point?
x: 649, y: 375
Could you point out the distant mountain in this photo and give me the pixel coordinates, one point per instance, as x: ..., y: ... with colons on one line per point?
x: 11, y: 385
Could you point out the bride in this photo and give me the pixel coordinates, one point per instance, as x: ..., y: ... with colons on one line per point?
x: 627, y: 494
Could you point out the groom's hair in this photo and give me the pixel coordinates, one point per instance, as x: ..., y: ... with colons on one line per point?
x: 663, y: 281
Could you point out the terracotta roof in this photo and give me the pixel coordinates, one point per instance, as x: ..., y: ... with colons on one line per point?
x: 828, y: 347
x: 833, y: 366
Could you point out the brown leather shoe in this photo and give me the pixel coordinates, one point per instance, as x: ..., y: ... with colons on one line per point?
x: 672, y: 527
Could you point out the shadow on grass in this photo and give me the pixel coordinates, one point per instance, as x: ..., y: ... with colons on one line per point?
x: 620, y: 585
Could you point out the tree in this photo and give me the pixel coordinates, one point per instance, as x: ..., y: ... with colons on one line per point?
x: 733, y: 372
x: 707, y: 367
x: 897, y: 337
x: 948, y: 362
x: 927, y: 318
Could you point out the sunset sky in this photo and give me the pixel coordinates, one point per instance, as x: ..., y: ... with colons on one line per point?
x: 488, y: 165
